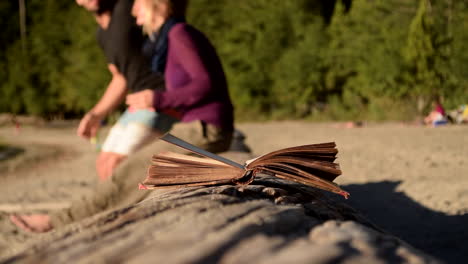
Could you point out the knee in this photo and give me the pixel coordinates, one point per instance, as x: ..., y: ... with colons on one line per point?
x: 106, y: 163
x: 114, y: 160
x: 102, y: 160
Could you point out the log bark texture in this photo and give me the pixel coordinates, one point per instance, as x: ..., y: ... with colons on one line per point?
x: 270, y: 221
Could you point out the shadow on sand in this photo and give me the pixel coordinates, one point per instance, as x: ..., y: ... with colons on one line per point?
x: 10, y: 152
x: 438, y: 234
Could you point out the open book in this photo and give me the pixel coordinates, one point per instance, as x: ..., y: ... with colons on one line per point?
x: 311, y: 165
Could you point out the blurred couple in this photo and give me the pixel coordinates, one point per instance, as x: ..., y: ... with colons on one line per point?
x: 169, y: 75
x: 194, y: 91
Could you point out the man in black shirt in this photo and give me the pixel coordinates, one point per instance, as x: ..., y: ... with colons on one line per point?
x: 121, y: 41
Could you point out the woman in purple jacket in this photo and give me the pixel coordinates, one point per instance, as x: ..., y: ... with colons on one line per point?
x: 196, y: 88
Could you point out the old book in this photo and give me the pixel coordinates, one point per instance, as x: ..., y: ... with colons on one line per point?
x: 311, y: 165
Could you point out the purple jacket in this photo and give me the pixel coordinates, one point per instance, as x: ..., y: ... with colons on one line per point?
x: 195, y: 80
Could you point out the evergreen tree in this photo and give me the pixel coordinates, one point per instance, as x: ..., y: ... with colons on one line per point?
x: 258, y: 41
x: 85, y: 75
x: 457, y: 25
x: 32, y: 77
x: 62, y: 71
x: 428, y: 70
x: 8, y: 37
x: 340, y: 59
x: 365, y: 59
x: 298, y: 87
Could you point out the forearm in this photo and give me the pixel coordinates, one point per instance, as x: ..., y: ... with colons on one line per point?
x: 113, y: 96
x: 193, y: 93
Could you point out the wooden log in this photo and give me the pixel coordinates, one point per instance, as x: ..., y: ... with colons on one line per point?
x: 33, y: 207
x: 270, y: 221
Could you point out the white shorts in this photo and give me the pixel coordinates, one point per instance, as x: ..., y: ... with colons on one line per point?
x: 136, y: 128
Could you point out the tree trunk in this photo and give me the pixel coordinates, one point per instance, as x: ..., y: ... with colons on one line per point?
x: 22, y: 13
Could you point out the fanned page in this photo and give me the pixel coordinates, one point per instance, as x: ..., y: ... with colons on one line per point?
x: 311, y: 165
x: 187, y: 159
x: 318, y: 152
x: 171, y: 169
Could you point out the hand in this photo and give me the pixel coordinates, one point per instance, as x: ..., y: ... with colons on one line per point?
x: 141, y: 100
x: 89, y: 126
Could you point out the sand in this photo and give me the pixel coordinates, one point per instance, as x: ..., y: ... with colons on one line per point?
x: 409, y: 180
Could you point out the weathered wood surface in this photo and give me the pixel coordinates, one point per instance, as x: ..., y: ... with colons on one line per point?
x: 270, y: 221
x: 21, y: 208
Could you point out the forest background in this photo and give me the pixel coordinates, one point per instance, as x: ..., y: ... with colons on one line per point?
x: 284, y: 59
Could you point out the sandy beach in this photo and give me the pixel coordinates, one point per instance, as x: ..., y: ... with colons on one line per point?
x: 409, y: 180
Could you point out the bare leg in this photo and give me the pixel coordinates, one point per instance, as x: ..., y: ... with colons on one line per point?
x: 100, y: 164
x: 37, y: 223
x: 106, y: 164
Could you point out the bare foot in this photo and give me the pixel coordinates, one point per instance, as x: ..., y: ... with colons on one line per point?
x: 37, y: 223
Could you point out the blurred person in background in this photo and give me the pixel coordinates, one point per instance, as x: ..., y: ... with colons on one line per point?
x: 121, y: 41
x: 438, y: 115
x: 196, y: 85
x: 196, y: 92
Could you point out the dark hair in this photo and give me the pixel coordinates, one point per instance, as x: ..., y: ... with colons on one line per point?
x: 178, y: 7
x: 106, y: 6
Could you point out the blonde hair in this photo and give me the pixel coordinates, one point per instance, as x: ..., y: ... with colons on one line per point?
x: 175, y: 8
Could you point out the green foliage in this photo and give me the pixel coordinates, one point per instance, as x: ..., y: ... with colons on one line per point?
x: 457, y: 25
x: 84, y: 78
x: 39, y: 79
x: 299, y: 75
x: 364, y: 55
x: 319, y: 59
x: 10, y: 32
x: 421, y: 52
x: 427, y: 60
x: 259, y: 42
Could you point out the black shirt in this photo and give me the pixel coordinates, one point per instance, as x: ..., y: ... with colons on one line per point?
x: 122, y: 44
